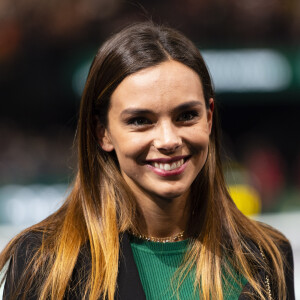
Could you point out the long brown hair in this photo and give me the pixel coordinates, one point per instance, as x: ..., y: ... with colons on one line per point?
x: 101, y: 205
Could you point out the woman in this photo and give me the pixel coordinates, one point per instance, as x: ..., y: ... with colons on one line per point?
x: 149, y: 215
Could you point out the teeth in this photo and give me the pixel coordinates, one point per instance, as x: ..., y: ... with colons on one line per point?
x: 169, y: 167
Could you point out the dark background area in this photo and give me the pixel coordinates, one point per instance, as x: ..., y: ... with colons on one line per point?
x: 44, y: 43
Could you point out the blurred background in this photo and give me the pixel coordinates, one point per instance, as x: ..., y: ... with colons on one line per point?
x: 252, y: 49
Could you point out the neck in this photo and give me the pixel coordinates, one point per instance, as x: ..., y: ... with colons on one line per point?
x: 162, y: 217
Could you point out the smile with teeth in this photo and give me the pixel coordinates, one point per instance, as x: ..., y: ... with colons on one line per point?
x: 168, y: 167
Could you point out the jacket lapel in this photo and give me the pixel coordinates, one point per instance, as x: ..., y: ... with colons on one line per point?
x: 129, y: 285
x: 248, y: 291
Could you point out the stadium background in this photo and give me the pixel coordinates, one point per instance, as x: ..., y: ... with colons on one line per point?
x: 252, y: 49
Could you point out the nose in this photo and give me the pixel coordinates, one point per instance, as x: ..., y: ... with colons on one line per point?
x: 167, y: 137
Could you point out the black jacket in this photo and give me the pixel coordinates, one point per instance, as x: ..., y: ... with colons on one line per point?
x: 128, y: 282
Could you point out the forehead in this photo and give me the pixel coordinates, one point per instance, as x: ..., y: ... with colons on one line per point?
x: 168, y: 83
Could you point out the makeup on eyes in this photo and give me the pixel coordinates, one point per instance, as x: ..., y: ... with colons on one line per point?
x: 138, y: 121
x: 184, y: 113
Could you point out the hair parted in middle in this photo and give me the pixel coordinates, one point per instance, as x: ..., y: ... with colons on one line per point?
x: 135, y: 48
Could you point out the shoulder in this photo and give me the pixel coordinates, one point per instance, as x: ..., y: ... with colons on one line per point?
x: 25, y: 249
x: 281, y: 242
x: 285, y: 248
x: 21, y: 263
x: 286, y: 253
x: 283, y: 245
x: 28, y: 269
x: 288, y: 268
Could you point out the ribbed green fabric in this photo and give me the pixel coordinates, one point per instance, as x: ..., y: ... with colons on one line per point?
x: 157, y: 263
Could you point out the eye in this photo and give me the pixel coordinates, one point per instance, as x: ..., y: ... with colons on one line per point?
x: 139, y: 121
x: 187, y: 116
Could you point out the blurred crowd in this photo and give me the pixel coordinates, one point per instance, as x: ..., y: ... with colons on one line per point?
x: 42, y: 44
x: 247, y: 20
x: 28, y: 157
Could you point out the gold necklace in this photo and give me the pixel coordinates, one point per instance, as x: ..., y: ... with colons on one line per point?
x: 168, y: 239
x: 267, y: 279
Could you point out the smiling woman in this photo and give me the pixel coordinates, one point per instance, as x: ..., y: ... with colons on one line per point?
x: 159, y: 126
x: 149, y: 215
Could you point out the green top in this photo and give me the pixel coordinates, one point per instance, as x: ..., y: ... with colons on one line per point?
x: 157, y: 263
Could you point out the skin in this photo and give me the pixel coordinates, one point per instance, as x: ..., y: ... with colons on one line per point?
x: 159, y: 115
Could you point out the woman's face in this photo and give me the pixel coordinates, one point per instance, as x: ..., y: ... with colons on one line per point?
x: 159, y: 127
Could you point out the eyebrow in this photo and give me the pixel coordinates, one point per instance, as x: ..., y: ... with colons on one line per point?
x: 141, y: 111
x: 188, y: 105
x: 136, y: 111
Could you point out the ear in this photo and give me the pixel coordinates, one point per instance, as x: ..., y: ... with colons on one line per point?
x: 210, y: 112
x: 103, y: 137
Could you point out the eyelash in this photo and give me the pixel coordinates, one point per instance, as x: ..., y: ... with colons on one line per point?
x: 135, y: 121
x: 191, y: 116
x: 183, y: 117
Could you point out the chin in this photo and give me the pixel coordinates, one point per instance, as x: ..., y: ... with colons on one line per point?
x: 169, y: 195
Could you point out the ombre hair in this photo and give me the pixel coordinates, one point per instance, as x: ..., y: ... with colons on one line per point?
x: 101, y: 206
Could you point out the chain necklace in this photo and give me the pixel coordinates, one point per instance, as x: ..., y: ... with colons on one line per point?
x: 267, y: 279
x: 168, y: 239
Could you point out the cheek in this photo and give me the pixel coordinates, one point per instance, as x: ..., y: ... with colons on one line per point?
x: 198, y: 139
x: 131, y: 146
